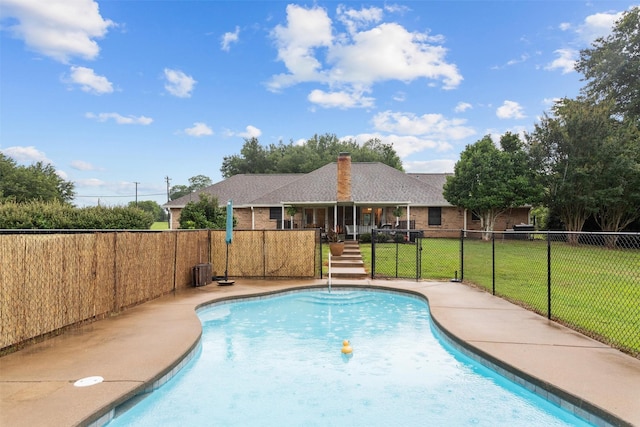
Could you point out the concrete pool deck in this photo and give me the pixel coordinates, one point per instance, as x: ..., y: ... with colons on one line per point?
x: 142, y: 345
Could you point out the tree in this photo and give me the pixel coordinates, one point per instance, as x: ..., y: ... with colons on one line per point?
x: 611, y: 66
x: 488, y: 181
x: 196, y: 183
x: 587, y: 160
x: 252, y: 159
x: 618, y: 178
x: 205, y: 213
x: 199, y: 182
x: 304, y: 158
x: 178, y: 191
x: 38, y: 181
x: 151, y: 207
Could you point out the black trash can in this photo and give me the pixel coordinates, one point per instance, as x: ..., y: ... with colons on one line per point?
x: 413, y: 235
x: 523, y: 228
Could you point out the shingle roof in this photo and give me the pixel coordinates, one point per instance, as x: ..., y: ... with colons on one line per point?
x: 243, y: 189
x: 374, y: 183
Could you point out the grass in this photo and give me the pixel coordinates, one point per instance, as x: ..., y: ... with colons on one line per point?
x: 160, y: 225
x: 593, y: 289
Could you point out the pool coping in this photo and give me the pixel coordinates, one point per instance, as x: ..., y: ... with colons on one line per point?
x: 580, y: 365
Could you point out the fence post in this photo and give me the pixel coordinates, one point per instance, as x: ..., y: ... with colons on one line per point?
x: 397, y: 256
x: 493, y: 263
x: 418, y: 257
x: 548, y: 275
x: 461, y: 255
x: 374, y: 237
x: 319, y: 234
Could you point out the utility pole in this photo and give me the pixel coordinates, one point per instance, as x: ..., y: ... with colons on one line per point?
x: 168, y: 180
x: 136, y: 183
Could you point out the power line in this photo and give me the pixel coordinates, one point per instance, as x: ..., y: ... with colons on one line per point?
x: 125, y: 195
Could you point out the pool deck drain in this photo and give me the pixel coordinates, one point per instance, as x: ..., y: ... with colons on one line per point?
x: 144, y: 346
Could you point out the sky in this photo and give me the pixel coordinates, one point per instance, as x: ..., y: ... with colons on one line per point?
x: 123, y: 96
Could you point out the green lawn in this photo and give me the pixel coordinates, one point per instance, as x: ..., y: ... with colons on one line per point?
x: 593, y: 289
x: 162, y: 225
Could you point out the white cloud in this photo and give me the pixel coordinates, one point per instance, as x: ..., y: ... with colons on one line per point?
x: 435, y: 126
x: 462, y: 107
x: 400, y: 96
x: 356, y: 19
x: 594, y: 26
x: 90, y: 182
x: 390, y: 52
x: 523, y: 58
x: 26, y: 154
x: 430, y: 166
x: 409, y: 133
x: 405, y: 145
x: 120, y: 119
x: 565, y: 61
x: 306, y: 30
x: 199, y: 129
x: 313, y: 51
x: 548, y: 102
x: 228, y: 38
x: 340, y: 99
x: 83, y: 166
x: 89, y: 81
x: 60, y: 29
x: 597, y: 25
x: 250, y: 132
x: 178, y: 83
x: 565, y: 26
x: 510, y: 110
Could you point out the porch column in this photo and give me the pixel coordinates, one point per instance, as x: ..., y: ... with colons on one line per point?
x: 355, y: 224
x: 408, y: 221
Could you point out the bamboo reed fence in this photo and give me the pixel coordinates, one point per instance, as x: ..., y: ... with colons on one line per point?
x: 50, y: 281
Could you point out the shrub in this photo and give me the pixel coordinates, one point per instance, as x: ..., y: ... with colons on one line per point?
x: 365, y: 238
x: 204, y: 213
x: 382, y: 238
x: 61, y: 216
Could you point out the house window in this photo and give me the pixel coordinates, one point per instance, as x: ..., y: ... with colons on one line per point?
x: 474, y: 216
x: 275, y: 213
x: 435, y: 216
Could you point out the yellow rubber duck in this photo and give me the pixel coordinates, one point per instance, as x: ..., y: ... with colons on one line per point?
x: 346, y: 347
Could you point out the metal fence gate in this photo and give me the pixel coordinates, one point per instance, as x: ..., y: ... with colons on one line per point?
x: 396, y: 254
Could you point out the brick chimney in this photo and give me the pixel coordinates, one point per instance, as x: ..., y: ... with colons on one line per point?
x: 344, y: 177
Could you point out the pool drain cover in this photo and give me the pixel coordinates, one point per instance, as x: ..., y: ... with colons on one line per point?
x: 88, y: 381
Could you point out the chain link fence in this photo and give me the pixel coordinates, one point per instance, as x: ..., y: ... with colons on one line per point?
x: 589, y: 282
x: 414, y: 254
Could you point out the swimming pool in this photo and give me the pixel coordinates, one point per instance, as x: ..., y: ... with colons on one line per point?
x: 278, y: 361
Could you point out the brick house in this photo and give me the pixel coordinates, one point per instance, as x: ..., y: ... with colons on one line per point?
x: 352, y: 197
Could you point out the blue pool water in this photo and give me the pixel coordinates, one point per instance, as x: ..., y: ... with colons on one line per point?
x: 277, y: 361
